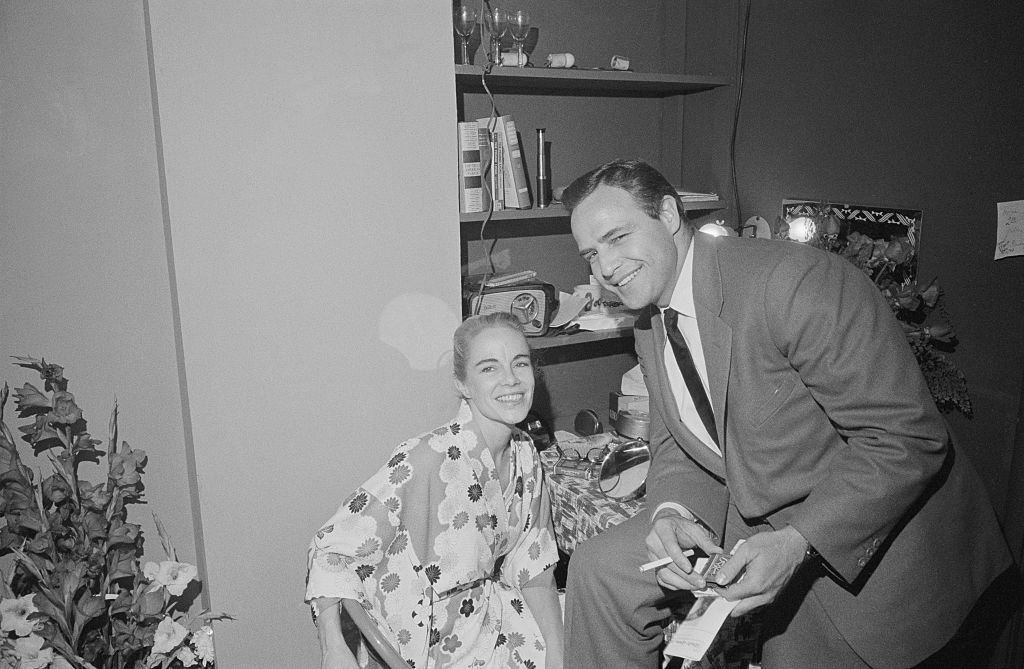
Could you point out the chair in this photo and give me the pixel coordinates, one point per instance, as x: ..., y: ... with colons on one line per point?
x: 367, y: 643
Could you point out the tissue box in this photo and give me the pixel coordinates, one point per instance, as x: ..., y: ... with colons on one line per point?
x: 618, y: 402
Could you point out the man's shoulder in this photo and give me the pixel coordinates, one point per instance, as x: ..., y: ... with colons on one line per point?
x: 773, y: 260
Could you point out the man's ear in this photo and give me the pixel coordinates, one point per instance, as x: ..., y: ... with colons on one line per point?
x: 668, y: 214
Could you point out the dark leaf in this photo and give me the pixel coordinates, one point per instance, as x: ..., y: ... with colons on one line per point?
x: 53, y: 612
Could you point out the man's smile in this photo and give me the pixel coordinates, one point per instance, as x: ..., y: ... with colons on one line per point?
x: 629, y: 277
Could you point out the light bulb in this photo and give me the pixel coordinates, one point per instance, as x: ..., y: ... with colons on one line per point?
x: 802, y: 229
x: 716, y: 230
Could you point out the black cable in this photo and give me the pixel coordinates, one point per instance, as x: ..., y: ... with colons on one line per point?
x: 741, y: 66
x: 488, y: 252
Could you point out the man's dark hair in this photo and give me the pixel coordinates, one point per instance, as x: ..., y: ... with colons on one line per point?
x: 646, y: 185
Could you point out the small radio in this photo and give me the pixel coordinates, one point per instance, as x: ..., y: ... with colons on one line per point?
x: 534, y: 304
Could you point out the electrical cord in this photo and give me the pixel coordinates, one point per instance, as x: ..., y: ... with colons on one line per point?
x: 743, y: 29
x: 486, y: 181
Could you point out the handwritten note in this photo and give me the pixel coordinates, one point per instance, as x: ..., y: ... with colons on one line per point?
x: 1009, y: 229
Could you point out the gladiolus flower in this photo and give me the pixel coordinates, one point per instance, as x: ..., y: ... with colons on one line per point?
x: 175, y: 576
x: 123, y: 533
x: 169, y: 635
x: 125, y: 466
x: 897, y: 251
x: 202, y: 639
x: 55, y: 489
x: 186, y: 656
x: 53, y: 375
x: 65, y: 411
x: 29, y: 651
x: 29, y: 397
x: 14, y: 615
x: 94, y: 497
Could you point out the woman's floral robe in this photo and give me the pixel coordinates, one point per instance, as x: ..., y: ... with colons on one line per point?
x: 438, y: 554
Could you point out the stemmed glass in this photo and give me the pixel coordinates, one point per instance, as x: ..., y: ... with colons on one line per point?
x: 496, y: 21
x: 519, y: 26
x: 465, y: 21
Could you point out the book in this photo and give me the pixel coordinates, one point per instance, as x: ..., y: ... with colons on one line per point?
x: 497, y: 172
x: 517, y: 188
x: 472, y: 194
x: 514, y: 156
x: 690, y: 196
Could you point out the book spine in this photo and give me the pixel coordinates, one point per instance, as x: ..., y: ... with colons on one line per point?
x: 484, y: 141
x: 517, y: 169
x: 497, y: 172
x: 511, y: 195
x: 471, y: 187
x: 496, y: 126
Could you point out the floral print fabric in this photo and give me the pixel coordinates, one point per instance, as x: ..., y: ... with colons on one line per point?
x: 437, y: 553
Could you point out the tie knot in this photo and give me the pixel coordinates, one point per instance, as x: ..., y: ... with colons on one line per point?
x: 671, y: 317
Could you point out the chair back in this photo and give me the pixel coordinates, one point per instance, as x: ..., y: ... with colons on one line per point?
x: 371, y: 648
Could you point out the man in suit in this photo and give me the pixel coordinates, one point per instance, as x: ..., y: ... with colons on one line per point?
x: 786, y: 410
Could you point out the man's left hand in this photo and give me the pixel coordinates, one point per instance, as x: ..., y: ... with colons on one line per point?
x: 767, y: 561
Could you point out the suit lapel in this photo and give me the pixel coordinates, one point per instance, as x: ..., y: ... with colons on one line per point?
x: 715, y: 333
x: 693, y: 446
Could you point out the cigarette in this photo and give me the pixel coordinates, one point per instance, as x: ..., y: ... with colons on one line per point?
x: 654, y: 564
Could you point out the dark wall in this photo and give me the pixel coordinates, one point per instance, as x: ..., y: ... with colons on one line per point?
x: 917, y: 105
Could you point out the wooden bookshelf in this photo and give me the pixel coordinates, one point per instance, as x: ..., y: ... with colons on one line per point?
x: 573, y: 81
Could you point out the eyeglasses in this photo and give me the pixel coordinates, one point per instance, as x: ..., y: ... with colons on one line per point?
x: 572, y: 461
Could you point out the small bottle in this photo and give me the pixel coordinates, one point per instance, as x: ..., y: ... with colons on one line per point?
x: 543, y: 177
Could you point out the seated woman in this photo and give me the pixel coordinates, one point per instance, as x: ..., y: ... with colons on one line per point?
x: 449, y: 546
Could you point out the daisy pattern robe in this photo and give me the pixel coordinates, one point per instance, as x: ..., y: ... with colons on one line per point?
x: 437, y: 553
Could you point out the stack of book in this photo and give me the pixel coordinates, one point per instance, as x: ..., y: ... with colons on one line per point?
x: 690, y: 196
x: 491, y: 166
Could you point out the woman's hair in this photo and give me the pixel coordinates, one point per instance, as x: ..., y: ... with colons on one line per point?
x: 470, y: 328
x: 647, y: 186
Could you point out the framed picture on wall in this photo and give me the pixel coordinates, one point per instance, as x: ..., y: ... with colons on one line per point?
x: 883, y: 241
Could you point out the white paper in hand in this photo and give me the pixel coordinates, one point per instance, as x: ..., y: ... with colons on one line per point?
x: 694, y: 635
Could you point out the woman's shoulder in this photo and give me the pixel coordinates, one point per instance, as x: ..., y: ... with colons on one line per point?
x: 436, y: 444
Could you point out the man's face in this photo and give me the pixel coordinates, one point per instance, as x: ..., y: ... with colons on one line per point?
x: 630, y: 253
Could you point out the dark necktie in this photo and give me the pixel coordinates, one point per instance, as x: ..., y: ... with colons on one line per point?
x: 690, y: 375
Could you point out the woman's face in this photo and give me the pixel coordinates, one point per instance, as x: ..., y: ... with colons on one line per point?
x: 499, y: 376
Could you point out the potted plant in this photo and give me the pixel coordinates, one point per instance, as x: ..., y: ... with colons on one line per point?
x: 73, y: 590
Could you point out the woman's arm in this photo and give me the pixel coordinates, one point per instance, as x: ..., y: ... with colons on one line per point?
x: 542, y: 599
x: 334, y: 652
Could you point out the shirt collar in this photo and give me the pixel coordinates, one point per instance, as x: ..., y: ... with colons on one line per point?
x: 682, y: 294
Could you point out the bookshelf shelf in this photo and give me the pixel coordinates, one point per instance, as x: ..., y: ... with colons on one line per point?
x: 606, y: 83
x: 536, y: 222
x: 579, y: 338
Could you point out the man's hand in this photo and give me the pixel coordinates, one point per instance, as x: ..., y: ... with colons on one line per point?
x: 670, y: 535
x: 767, y: 561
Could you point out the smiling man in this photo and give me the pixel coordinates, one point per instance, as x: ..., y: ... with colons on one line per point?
x: 786, y: 410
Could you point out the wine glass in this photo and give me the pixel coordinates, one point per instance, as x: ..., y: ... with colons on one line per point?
x: 496, y: 21
x: 465, y: 21
x: 519, y: 26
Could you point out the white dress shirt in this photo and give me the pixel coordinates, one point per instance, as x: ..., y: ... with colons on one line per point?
x: 682, y: 302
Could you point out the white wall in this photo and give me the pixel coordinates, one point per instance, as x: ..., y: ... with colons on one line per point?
x: 310, y: 159
x: 83, y: 264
